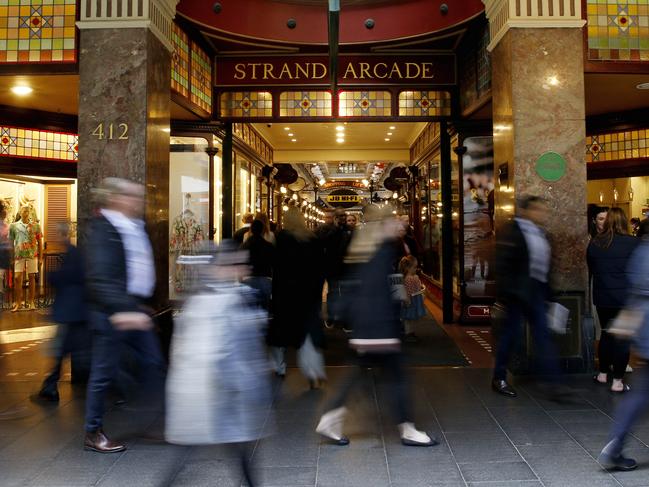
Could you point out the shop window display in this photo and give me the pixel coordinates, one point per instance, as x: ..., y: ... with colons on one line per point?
x: 432, y: 221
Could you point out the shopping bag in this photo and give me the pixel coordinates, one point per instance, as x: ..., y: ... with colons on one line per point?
x: 397, y: 287
x: 627, y: 323
x: 558, y: 318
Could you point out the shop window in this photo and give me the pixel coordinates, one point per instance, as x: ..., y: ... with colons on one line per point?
x: 431, y: 219
x: 180, y: 62
x: 424, y: 104
x: 365, y: 104
x: 38, y: 31
x: 618, y: 30
x: 251, y: 104
x: 633, y: 144
x: 305, y: 104
x: 201, y: 78
x: 42, y: 144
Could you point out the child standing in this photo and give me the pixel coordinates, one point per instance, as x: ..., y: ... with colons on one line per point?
x: 413, y: 309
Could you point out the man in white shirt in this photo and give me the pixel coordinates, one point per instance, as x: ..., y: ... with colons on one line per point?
x: 120, y: 281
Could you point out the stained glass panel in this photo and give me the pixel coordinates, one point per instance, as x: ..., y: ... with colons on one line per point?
x: 38, y: 31
x: 305, y: 104
x: 180, y: 62
x: 424, y: 104
x: 633, y: 144
x: 365, y: 104
x: 42, y: 144
x: 201, y: 78
x: 618, y: 30
x: 246, y: 104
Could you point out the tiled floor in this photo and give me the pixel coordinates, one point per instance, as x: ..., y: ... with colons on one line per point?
x: 485, y: 439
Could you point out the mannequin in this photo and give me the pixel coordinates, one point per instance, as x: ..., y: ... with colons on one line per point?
x: 186, y: 237
x: 27, y: 239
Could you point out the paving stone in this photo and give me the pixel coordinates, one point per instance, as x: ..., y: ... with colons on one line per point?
x: 496, y: 471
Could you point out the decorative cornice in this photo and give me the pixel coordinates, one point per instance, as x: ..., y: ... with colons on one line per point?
x: 506, y: 14
x: 156, y: 15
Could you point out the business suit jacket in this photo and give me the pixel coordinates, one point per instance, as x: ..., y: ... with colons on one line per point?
x: 70, y: 304
x: 513, y: 280
x: 106, y: 270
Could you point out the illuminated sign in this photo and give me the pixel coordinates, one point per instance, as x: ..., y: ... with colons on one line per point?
x: 344, y: 198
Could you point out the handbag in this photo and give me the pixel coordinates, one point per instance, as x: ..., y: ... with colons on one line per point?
x: 558, y: 316
x: 627, y: 323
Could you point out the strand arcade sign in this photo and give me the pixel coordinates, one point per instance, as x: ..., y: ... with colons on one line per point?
x: 391, y: 70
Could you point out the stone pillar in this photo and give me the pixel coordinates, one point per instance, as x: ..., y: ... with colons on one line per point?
x: 538, y: 106
x: 124, y: 103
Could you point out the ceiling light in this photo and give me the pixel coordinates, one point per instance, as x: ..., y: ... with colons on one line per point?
x: 389, y: 133
x: 387, y: 140
x: 392, y: 127
x: 340, y: 128
x: 340, y: 140
x: 643, y: 86
x: 287, y: 128
x: 21, y: 90
x: 285, y: 208
x: 395, y: 195
x: 293, y: 140
x: 295, y: 196
x: 282, y: 190
x: 290, y: 134
x: 166, y: 129
x: 322, y: 181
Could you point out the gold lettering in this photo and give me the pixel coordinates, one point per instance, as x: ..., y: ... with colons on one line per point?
x: 315, y: 74
x: 299, y: 68
x: 385, y: 73
x: 240, y: 71
x: 425, y: 68
x: 365, y: 70
x: 254, y: 69
x: 350, y: 69
x: 395, y: 69
x: 268, y: 71
x: 287, y: 71
x: 408, y: 74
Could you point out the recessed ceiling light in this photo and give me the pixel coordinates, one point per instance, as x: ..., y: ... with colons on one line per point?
x: 340, y: 140
x: 290, y: 134
x: 392, y: 127
x: 21, y: 90
x: 287, y: 128
x: 340, y: 128
x: 293, y: 140
x: 389, y: 133
x: 387, y: 140
x: 643, y: 86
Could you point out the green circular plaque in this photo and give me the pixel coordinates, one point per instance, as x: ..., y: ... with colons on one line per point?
x: 551, y: 166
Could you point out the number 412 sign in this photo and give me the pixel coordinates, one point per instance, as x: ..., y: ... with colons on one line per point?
x: 111, y: 131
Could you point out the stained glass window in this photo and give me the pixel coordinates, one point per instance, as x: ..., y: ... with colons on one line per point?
x: 246, y: 104
x: 424, y: 103
x: 305, y: 104
x: 618, y: 30
x: 38, y: 31
x: 633, y: 144
x: 42, y: 144
x: 180, y: 62
x: 365, y: 104
x: 201, y: 78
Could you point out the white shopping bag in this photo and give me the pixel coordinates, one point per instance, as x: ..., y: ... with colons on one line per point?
x: 558, y: 318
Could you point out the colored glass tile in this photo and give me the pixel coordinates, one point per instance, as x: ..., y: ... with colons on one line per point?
x: 200, y: 78
x: 365, y: 104
x: 632, y: 144
x: 42, y: 144
x: 617, y: 30
x: 305, y: 104
x: 249, y: 104
x: 25, y: 26
x: 424, y: 104
x: 180, y: 62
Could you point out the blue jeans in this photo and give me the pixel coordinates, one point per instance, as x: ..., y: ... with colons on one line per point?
x: 545, y: 350
x: 633, y: 405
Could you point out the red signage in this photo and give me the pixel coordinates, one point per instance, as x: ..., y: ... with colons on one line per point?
x: 407, y: 70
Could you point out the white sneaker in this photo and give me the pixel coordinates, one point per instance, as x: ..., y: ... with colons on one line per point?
x: 629, y: 369
x: 331, y: 425
x: 411, y: 436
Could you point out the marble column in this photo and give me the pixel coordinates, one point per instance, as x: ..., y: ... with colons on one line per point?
x: 124, y: 107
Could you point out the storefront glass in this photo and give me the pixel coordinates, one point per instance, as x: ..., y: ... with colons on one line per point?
x: 432, y: 220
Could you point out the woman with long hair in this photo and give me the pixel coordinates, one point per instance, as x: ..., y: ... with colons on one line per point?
x: 268, y: 235
x: 608, y: 255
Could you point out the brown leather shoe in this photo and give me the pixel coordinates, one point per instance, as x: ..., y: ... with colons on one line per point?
x: 99, y: 442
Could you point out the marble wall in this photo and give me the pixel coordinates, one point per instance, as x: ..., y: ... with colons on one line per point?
x: 124, y: 79
x: 538, y: 106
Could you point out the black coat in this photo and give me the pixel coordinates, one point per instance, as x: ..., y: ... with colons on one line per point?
x: 106, y: 279
x: 70, y: 304
x: 297, y: 292
x: 335, y: 244
x: 513, y: 280
x: 262, y: 255
x: 608, y: 267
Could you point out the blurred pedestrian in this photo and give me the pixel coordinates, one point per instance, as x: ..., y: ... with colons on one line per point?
x: 262, y: 260
x: 218, y: 389
x: 636, y: 402
x: 523, y: 258
x: 120, y: 277
x: 374, y: 314
x: 608, y: 256
x: 297, y: 298
x: 335, y: 245
x: 266, y: 232
x: 70, y: 312
x: 239, y: 234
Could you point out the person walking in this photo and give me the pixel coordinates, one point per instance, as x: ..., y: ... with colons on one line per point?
x: 608, y: 255
x: 296, y: 321
x: 335, y: 246
x: 636, y: 402
x: 120, y: 280
x: 374, y: 315
x: 523, y: 258
x: 70, y: 312
x: 262, y: 260
x: 266, y: 232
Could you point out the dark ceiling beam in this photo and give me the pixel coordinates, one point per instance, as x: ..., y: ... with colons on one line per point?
x: 334, y: 33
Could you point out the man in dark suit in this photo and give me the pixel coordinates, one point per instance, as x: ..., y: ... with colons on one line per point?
x: 523, y: 258
x: 120, y: 279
